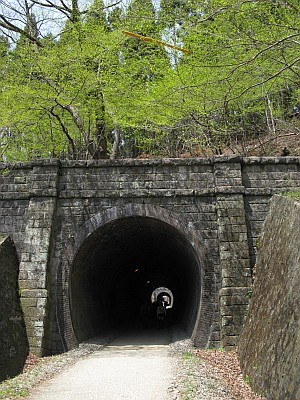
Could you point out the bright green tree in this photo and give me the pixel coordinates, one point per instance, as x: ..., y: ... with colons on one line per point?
x: 243, y: 55
x: 82, y: 94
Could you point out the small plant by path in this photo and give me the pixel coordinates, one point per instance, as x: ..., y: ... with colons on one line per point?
x: 293, y: 195
x: 200, y: 375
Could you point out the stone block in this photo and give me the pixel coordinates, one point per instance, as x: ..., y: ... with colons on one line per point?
x: 228, y: 236
x: 234, y: 300
x: 229, y: 342
x: 34, y: 293
x: 23, y: 275
x: 34, y: 313
x: 230, y: 331
x: 236, y: 281
x: 20, y: 180
x: 34, y: 283
x: 234, y: 291
x: 239, y: 311
x: 28, y: 302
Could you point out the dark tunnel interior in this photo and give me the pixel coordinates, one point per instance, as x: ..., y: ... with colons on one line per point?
x: 117, y: 269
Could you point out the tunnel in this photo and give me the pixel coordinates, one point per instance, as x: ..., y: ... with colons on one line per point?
x: 118, y: 267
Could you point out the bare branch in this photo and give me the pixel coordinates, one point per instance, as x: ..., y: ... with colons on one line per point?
x: 6, y: 24
x: 49, y: 4
x: 271, y: 140
x: 116, y: 145
x: 264, y: 50
x: 260, y: 83
x: 113, y: 5
x: 64, y: 128
x: 63, y: 9
x: 73, y: 111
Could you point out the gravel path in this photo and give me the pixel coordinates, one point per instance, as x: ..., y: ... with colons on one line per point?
x: 132, y: 367
x: 113, y: 373
x: 157, y: 365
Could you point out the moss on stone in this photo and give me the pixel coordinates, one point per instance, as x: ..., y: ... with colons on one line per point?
x: 295, y: 194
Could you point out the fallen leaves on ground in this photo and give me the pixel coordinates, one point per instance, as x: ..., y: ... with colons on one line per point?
x: 228, y: 368
x: 31, y: 360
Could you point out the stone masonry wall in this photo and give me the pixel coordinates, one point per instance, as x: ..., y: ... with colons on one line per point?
x: 233, y: 250
x: 269, y: 346
x: 224, y: 200
x: 185, y: 187
x: 262, y: 178
x: 13, y: 339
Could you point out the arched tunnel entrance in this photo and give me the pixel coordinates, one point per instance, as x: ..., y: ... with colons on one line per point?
x: 120, y: 264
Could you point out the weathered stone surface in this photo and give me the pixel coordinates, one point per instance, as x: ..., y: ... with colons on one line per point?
x: 33, y: 265
x: 269, y: 346
x: 13, y: 339
x: 222, y: 200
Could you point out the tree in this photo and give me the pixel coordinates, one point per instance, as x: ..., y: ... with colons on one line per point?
x: 90, y: 90
x: 144, y: 66
x: 64, y: 84
x: 141, y: 19
x: 177, y: 13
x: 243, y: 54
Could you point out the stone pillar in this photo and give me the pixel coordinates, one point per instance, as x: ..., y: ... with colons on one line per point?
x: 36, y: 251
x: 234, y: 250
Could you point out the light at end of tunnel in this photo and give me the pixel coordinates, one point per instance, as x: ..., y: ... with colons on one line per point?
x: 136, y: 270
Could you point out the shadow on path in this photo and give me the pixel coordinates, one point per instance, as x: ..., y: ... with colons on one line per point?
x: 143, y: 337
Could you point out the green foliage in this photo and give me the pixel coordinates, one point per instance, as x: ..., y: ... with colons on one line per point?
x: 258, y: 243
x: 237, y: 54
x: 140, y: 17
x: 4, y: 47
x: 295, y: 194
x: 189, y: 386
x: 187, y: 355
x: 65, y: 97
x: 13, y: 392
x: 4, y: 171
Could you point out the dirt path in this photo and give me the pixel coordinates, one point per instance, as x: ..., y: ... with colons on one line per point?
x: 135, y: 366
x: 140, y: 364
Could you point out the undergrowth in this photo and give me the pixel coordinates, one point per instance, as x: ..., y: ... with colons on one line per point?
x: 295, y: 194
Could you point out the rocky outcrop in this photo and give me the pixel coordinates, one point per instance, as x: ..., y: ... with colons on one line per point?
x: 269, y: 346
x: 13, y: 340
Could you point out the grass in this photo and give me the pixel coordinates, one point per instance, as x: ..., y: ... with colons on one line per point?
x: 295, y: 194
x: 189, y: 389
x: 18, y: 387
x: 187, y: 355
x: 13, y: 392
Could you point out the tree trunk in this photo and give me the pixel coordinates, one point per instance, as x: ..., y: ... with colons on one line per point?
x: 116, y: 146
x: 99, y: 150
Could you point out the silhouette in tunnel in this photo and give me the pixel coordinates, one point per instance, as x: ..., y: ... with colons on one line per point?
x: 119, y: 266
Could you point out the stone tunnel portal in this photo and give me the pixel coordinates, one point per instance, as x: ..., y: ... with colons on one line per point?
x: 118, y: 267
